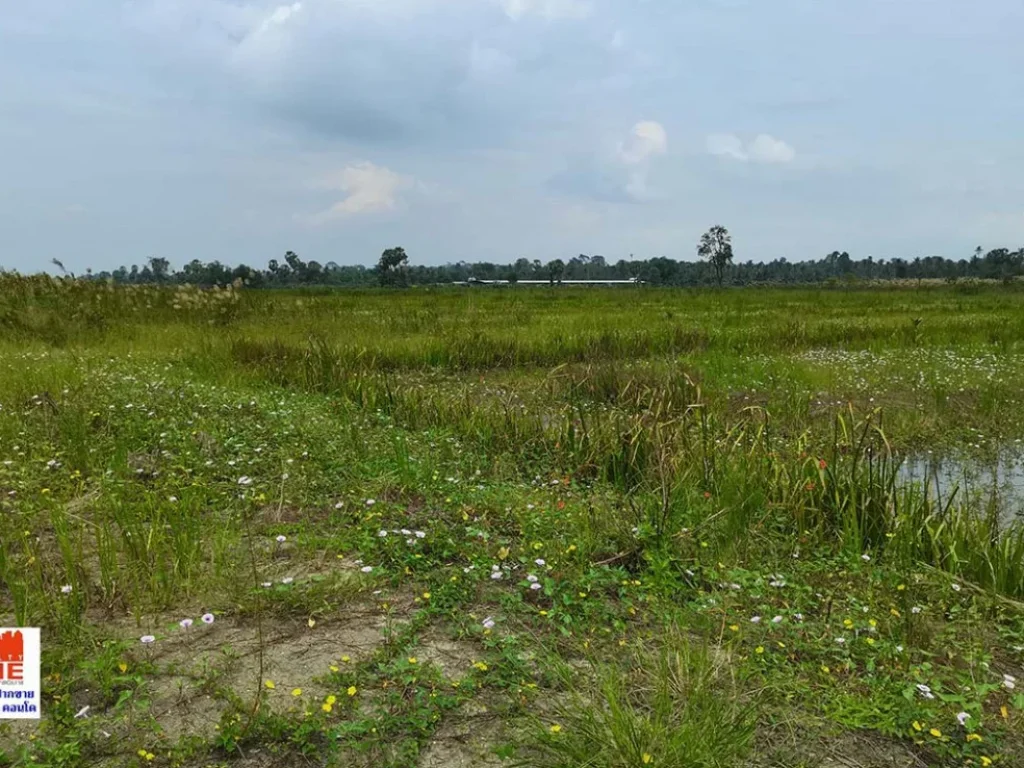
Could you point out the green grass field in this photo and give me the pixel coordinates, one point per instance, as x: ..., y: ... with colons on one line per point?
x: 538, y: 527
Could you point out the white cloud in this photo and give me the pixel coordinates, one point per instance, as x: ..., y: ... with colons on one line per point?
x: 547, y: 9
x: 648, y: 138
x: 763, y: 149
x: 768, y: 149
x: 368, y: 188
x: 279, y: 16
x: 489, y: 63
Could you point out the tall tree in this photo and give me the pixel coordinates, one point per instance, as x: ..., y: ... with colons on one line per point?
x: 391, y: 267
x: 715, y: 247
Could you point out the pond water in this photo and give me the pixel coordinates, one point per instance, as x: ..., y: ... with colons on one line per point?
x: 998, y: 482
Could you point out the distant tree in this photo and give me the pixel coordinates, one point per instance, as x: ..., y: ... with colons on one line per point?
x: 391, y: 267
x: 160, y: 267
x: 716, y: 248
x: 556, y: 270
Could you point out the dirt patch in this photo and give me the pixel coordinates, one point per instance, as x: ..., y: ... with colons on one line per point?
x: 831, y: 747
x: 455, y: 658
x: 467, y: 738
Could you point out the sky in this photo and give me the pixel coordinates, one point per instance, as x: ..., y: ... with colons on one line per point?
x: 489, y: 130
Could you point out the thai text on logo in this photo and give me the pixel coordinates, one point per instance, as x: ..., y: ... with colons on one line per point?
x: 19, y: 673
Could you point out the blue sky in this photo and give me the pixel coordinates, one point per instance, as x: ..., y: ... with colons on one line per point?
x: 495, y: 129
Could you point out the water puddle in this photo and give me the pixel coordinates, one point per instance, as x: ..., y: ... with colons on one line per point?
x: 997, y: 482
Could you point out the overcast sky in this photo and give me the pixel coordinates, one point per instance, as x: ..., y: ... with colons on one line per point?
x: 494, y: 129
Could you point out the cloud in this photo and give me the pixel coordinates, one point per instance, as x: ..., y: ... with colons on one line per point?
x: 368, y: 189
x: 620, y: 176
x: 763, y: 149
x: 648, y: 138
x: 279, y: 16
x: 547, y: 9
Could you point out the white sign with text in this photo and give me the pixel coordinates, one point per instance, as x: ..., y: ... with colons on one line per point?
x: 19, y: 673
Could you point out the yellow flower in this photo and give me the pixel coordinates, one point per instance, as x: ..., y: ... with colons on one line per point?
x: 847, y: 623
x: 334, y: 668
x: 346, y: 659
x: 734, y: 627
x: 973, y: 737
x: 1004, y: 713
x: 583, y: 594
x: 894, y: 612
x: 503, y: 553
x: 123, y: 667
x: 826, y: 670
x: 647, y: 758
x: 426, y: 595
x: 917, y: 726
x: 555, y: 728
x: 986, y: 761
x: 149, y: 756
x: 869, y: 640
x: 269, y: 684
x: 480, y: 665
x: 872, y: 622
x: 311, y: 623
x: 331, y: 699
x: 412, y: 659
x: 571, y: 549
x: 296, y: 691
x: 352, y: 690
x: 901, y: 587
x: 936, y: 733
x: 326, y: 707
x: 759, y: 649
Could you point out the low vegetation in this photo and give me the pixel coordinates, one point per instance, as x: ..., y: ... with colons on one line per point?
x: 445, y: 528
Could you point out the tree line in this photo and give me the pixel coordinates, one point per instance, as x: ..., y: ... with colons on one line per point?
x: 716, y: 265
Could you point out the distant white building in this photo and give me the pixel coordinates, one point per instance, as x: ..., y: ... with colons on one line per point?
x: 478, y: 281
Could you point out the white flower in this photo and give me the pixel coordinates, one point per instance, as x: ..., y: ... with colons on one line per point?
x: 185, y: 623
x: 778, y: 583
x: 916, y: 609
x: 382, y: 534
x: 339, y: 505
x: 420, y: 534
x: 67, y: 589
x: 488, y: 623
x: 841, y: 640
x: 370, y: 502
x: 535, y: 586
x: 755, y: 619
x: 798, y: 616
x: 956, y: 587
x: 532, y: 579
x: 899, y: 649
x: 777, y: 620
x: 962, y: 718
x: 496, y: 575
x: 540, y: 561
x: 82, y: 712
x: 281, y: 539
x: 172, y: 499
x: 366, y: 568
x: 147, y: 639
x: 1009, y: 682
x: 925, y: 691
x: 287, y: 580
x: 866, y: 558
x: 245, y: 480
x: 207, y: 618
x: 495, y: 567
x: 267, y: 585
x: 406, y: 532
